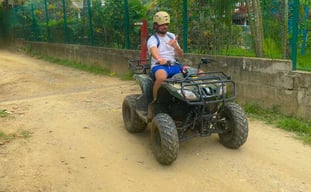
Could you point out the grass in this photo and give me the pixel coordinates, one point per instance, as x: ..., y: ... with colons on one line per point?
x: 303, y: 61
x: 273, y: 116
x: 238, y: 52
x: 5, y: 138
x: 76, y: 65
x: 85, y: 67
x: 81, y: 66
x: 3, y: 113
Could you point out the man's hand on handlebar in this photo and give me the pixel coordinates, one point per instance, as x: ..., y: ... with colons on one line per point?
x: 162, y: 61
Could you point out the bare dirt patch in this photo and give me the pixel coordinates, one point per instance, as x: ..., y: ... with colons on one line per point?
x: 78, y: 141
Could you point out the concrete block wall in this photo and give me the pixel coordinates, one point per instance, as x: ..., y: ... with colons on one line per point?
x: 113, y: 59
x: 267, y: 82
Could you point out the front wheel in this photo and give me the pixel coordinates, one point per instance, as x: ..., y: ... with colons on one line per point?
x: 164, y: 139
x: 234, y: 125
x: 131, y: 120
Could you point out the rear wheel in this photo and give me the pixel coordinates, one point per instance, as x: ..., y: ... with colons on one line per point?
x: 164, y: 139
x: 234, y: 125
x: 131, y: 120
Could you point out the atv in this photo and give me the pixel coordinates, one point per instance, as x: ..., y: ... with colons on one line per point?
x: 193, y: 103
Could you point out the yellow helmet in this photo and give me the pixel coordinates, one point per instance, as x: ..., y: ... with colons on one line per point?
x: 161, y: 18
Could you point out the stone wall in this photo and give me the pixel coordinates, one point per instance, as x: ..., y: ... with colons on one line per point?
x: 267, y: 82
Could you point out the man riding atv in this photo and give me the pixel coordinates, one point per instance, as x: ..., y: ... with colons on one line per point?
x: 163, y: 47
x: 178, y: 106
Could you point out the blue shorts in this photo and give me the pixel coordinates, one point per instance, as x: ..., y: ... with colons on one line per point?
x: 170, y: 70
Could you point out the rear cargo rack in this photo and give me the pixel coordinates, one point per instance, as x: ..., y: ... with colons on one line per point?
x: 139, y: 66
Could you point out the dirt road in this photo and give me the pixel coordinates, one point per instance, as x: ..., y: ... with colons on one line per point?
x: 78, y: 142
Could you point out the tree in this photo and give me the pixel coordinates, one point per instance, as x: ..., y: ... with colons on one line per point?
x: 209, y: 23
x: 285, y: 29
x: 255, y: 22
x: 109, y: 22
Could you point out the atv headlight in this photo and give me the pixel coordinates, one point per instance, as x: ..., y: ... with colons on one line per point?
x: 188, y: 94
x: 222, y: 90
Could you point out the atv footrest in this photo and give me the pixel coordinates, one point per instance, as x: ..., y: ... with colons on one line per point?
x: 189, y: 136
x: 142, y: 115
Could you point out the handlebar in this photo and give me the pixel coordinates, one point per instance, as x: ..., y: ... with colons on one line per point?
x: 168, y: 63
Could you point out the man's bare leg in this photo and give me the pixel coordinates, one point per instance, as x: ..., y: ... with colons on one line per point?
x: 160, y: 76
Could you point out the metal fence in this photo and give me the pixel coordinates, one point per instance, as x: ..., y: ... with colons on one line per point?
x: 64, y: 23
x: 90, y: 24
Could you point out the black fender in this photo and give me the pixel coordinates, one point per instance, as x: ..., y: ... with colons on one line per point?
x: 167, y: 89
x: 146, y: 85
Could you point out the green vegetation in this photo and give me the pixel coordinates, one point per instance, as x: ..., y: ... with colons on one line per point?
x: 239, y: 52
x: 273, y: 116
x: 81, y: 66
x: 25, y: 134
x: 85, y: 67
x: 303, y: 61
x: 3, y: 113
x: 5, y: 138
x: 127, y: 76
x: 271, y: 49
